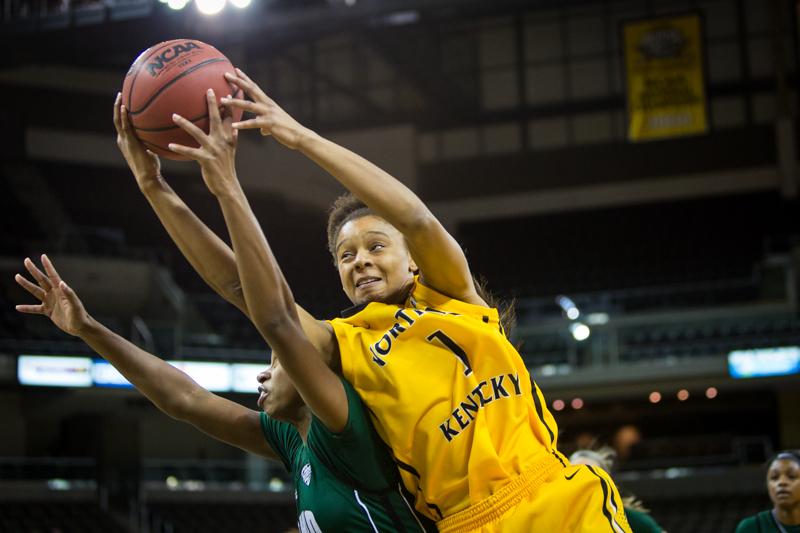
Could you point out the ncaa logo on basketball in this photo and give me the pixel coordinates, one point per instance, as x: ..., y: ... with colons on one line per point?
x: 157, y: 62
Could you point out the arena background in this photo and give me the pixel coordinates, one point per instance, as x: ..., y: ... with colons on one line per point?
x: 509, y: 119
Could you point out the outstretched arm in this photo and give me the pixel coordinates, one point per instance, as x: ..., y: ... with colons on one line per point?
x: 209, y: 255
x: 442, y: 262
x: 170, y: 389
x: 269, y: 299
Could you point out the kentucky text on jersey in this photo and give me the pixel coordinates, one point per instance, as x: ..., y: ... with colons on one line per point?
x: 485, y: 393
x: 384, y: 345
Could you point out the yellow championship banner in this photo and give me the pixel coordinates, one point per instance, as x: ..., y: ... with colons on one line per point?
x: 664, y: 64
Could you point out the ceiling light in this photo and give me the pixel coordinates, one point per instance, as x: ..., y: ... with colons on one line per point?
x: 210, y: 7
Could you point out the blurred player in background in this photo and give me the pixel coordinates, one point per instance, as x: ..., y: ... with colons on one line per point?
x: 783, y: 486
x: 638, y: 516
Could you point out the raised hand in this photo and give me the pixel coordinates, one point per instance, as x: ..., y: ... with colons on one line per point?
x: 59, y: 302
x: 217, y: 151
x: 144, y: 164
x: 270, y: 118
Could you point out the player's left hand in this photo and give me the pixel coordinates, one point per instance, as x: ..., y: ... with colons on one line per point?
x: 217, y: 151
x: 59, y: 302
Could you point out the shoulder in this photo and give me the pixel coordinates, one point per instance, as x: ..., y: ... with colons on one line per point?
x: 283, y: 438
x: 423, y: 296
x: 356, y: 432
x: 748, y: 524
x: 469, y: 291
x: 356, y: 455
x: 321, y: 335
x: 365, y: 316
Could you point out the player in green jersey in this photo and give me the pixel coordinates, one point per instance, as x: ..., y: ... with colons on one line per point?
x: 344, y: 480
x: 783, y: 486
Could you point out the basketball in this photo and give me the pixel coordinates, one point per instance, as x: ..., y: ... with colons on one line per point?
x: 173, y: 77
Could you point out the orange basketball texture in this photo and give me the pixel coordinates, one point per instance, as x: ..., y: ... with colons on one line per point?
x: 173, y: 77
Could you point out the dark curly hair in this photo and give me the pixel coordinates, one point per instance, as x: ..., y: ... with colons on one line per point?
x: 344, y: 209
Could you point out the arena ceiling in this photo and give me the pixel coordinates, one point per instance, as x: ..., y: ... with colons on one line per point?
x: 406, y: 34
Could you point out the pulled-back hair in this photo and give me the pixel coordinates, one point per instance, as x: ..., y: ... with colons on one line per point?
x: 792, y: 455
x: 605, y: 457
x: 505, y: 309
x: 602, y: 456
x: 344, y: 209
x: 347, y: 207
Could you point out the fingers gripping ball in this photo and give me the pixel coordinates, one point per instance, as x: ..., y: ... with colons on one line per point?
x: 173, y: 77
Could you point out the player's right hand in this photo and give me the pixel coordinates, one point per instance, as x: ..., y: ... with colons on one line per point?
x: 59, y: 302
x: 270, y: 118
x: 144, y: 164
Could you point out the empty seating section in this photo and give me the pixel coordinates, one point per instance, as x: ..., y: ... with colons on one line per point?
x: 688, y: 451
x: 220, y: 518
x: 56, y: 517
x: 705, y: 515
x: 77, y: 472
x: 232, y: 327
x: 539, y: 350
x: 19, y: 232
x: 711, y: 338
x: 624, y: 261
x: 638, y: 340
x: 647, y: 299
x: 684, y: 514
x: 131, y: 228
x: 627, y: 247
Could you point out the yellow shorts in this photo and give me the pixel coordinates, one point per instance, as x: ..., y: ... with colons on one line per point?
x: 575, y: 499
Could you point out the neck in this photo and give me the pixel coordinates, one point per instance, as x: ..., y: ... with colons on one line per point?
x: 403, y: 293
x: 789, y: 515
x: 302, y: 423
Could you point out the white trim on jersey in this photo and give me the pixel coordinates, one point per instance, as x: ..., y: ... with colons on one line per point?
x: 410, y: 507
x: 375, y: 529
x: 614, y: 523
x: 306, y: 523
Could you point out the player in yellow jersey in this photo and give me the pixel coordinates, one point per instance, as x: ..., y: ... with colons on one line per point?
x: 448, y: 392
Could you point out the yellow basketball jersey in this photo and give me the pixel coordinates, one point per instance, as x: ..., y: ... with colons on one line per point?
x: 449, y: 394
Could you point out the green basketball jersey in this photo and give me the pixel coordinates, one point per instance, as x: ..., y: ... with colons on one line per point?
x: 346, y: 481
x: 641, y: 522
x: 764, y: 522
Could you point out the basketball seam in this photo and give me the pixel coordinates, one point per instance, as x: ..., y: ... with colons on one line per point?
x: 173, y: 80
x: 167, y: 128
x: 154, y: 145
